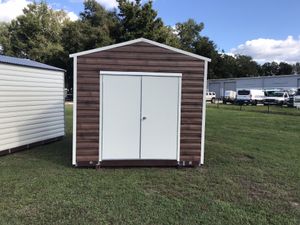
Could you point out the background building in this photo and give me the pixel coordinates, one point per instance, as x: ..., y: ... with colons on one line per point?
x: 265, y: 82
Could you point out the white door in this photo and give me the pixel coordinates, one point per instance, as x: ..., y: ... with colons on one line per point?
x: 120, y: 117
x: 159, y: 129
x: 139, y: 117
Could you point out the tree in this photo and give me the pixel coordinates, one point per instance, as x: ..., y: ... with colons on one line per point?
x: 270, y: 69
x: 285, y: 69
x: 4, y: 38
x: 296, y: 68
x: 246, y: 67
x: 137, y: 20
x: 191, y: 40
x: 37, y: 34
x: 206, y: 47
x: 100, y: 26
x: 189, y: 34
x: 226, y: 67
x: 97, y: 27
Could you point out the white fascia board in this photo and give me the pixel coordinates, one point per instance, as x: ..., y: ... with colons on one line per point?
x: 140, y: 40
x: 140, y: 74
x: 74, y: 110
x: 203, y: 114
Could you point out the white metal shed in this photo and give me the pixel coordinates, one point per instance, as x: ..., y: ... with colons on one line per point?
x: 31, y: 104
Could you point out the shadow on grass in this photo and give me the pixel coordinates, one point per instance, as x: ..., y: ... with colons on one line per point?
x: 58, y: 153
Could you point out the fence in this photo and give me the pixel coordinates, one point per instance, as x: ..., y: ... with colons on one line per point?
x: 271, y: 109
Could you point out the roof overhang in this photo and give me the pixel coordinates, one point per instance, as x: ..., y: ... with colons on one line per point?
x: 140, y: 40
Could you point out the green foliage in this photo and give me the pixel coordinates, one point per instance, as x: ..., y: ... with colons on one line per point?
x: 246, y: 66
x: 189, y: 34
x: 96, y: 28
x: 296, y: 68
x: 270, y: 68
x: 225, y: 66
x: 140, y: 20
x: 285, y: 69
x: 37, y: 34
x: 4, y: 38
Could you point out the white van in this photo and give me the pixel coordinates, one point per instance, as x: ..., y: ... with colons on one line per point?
x: 250, y: 96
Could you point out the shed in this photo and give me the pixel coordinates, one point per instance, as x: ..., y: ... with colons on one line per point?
x: 139, y: 103
x: 31, y: 104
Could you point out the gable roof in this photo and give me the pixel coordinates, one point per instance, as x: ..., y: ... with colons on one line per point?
x: 27, y: 63
x: 140, y: 40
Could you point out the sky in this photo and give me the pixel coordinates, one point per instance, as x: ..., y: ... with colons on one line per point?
x: 267, y: 30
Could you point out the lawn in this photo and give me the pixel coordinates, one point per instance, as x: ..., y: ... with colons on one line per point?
x: 251, y: 176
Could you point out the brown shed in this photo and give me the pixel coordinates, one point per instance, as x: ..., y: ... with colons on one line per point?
x: 139, y: 103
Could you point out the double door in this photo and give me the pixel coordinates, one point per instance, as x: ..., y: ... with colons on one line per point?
x: 139, y: 117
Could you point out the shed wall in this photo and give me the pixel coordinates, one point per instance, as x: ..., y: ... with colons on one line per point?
x: 31, y: 105
x: 138, y: 57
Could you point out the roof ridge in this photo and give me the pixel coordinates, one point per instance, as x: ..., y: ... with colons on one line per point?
x: 136, y: 41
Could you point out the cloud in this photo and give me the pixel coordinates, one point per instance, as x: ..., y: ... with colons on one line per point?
x: 109, y: 4
x: 10, y: 9
x: 72, y: 16
x: 266, y: 50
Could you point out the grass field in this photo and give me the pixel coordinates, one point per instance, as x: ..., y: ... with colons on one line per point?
x: 251, y: 176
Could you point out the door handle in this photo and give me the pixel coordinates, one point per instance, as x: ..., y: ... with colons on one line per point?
x: 144, y: 118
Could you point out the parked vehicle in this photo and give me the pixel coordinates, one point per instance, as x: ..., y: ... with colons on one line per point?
x: 230, y: 96
x: 291, y: 92
x: 297, y: 99
x: 250, y: 96
x: 211, y: 97
x: 290, y: 102
x: 276, y: 98
x: 69, y: 98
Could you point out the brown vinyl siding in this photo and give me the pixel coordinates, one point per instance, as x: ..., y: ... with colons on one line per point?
x: 138, y: 57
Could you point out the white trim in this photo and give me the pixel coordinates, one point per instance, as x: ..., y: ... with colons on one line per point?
x: 64, y: 104
x: 152, y: 74
x: 179, y: 118
x: 140, y: 40
x: 203, y: 114
x: 100, y: 117
x: 141, y: 74
x: 74, y: 109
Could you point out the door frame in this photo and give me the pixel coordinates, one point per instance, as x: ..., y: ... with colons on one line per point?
x: 140, y: 74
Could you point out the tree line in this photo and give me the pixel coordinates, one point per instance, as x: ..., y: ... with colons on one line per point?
x: 49, y: 36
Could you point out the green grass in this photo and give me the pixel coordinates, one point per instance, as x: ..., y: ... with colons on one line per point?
x: 251, y: 176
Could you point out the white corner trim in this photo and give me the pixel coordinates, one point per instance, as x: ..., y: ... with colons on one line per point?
x: 203, y: 114
x: 140, y: 40
x: 152, y: 74
x: 100, y: 117
x: 74, y: 110
x: 179, y: 117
